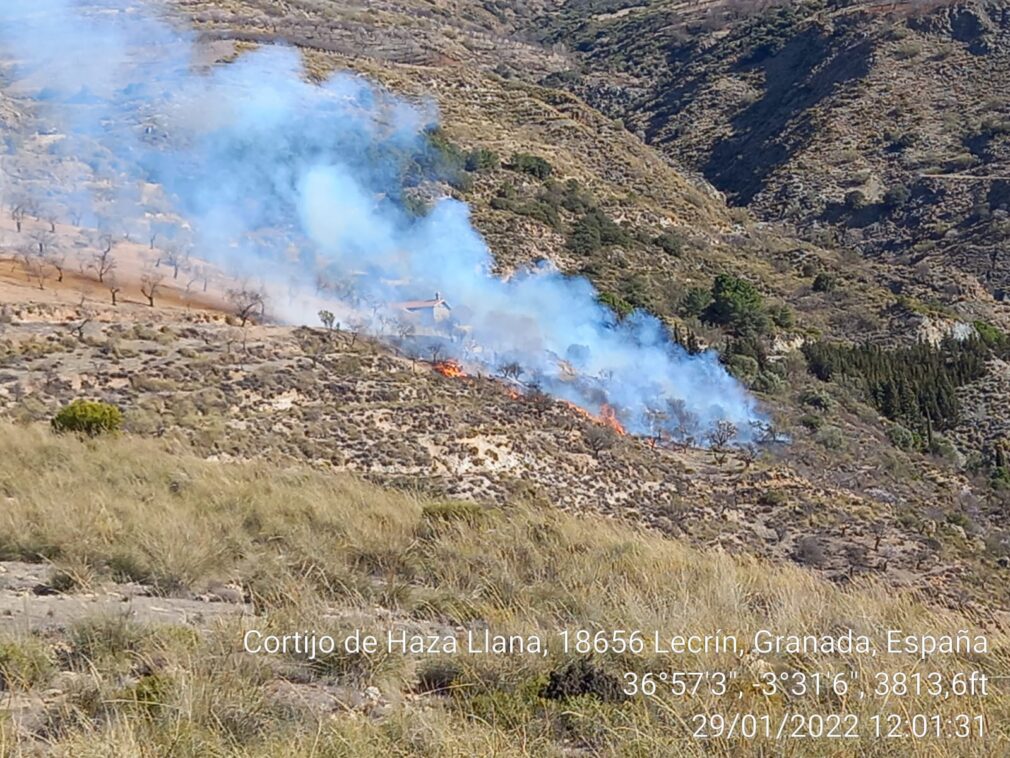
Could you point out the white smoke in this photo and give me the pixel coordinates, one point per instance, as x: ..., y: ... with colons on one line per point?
x: 289, y: 182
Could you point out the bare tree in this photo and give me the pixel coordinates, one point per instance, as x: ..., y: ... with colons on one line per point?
x: 657, y: 418
x: 719, y: 437
x: 510, y: 370
x: 19, y: 209
x: 35, y: 267
x: 150, y: 283
x: 313, y: 346
x: 78, y: 329
x: 112, y: 284
x: 199, y: 275
x: 684, y: 423
x: 766, y: 431
x: 247, y: 304
x: 404, y: 329
x: 175, y: 258
x: 57, y: 258
x: 42, y: 239
x: 356, y: 326
x: 748, y: 454
x: 103, y: 261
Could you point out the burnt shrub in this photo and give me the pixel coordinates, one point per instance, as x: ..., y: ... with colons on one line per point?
x: 437, y: 677
x: 583, y: 677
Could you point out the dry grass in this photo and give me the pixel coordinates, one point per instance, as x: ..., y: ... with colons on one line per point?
x: 329, y: 553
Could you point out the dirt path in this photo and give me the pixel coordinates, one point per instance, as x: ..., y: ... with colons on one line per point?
x: 30, y: 603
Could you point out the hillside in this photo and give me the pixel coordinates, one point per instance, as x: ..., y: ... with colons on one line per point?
x: 736, y: 354
x: 876, y: 124
x: 232, y: 547
x: 837, y: 480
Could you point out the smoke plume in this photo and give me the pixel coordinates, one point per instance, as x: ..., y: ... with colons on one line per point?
x: 301, y: 186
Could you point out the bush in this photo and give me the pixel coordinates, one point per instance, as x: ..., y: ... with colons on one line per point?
x: 830, y: 437
x: 811, y: 423
x: 670, y: 242
x: 855, y: 200
x: 581, y: 678
x: 616, y: 303
x: 585, y: 237
x: 768, y: 382
x: 816, y: 399
x: 904, y: 438
x: 737, y: 304
x: 897, y: 195
x: 595, y: 230
x: 783, y: 317
x: 695, y: 301
x: 774, y: 498
x: 88, y: 417
x: 533, y: 165
x: 824, y: 283
x: 24, y: 665
x: 743, y: 367
x: 481, y: 159
x: 991, y: 336
x: 943, y: 448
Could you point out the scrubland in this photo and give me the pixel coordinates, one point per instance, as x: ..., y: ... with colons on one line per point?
x: 312, y: 551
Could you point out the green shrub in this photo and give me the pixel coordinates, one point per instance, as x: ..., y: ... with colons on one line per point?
x: 783, y: 317
x: 831, y: 437
x: 816, y: 399
x: 768, y: 382
x: 695, y: 301
x: 482, y: 159
x: 24, y: 664
x: 88, y: 417
x: 595, y: 230
x: 773, y: 497
x: 991, y: 336
x: 616, y: 303
x: 903, y: 438
x: 855, y: 200
x: 943, y: 448
x: 743, y: 367
x: 736, y: 304
x: 897, y: 195
x: 811, y: 423
x: 824, y: 283
x: 670, y: 242
x: 533, y: 165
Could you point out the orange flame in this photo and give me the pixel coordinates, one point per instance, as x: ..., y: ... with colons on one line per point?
x: 513, y: 393
x: 608, y: 417
x: 449, y: 368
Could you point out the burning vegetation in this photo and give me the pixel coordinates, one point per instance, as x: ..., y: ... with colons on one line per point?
x: 450, y: 368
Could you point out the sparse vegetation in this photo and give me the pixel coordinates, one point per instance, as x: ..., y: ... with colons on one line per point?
x: 533, y: 165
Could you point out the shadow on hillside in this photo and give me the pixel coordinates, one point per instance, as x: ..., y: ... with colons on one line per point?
x: 767, y: 133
